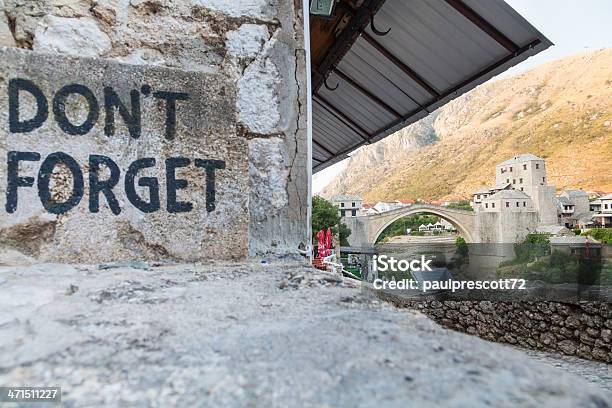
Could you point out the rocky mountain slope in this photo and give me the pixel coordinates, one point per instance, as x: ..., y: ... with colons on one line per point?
x: 561, y: 111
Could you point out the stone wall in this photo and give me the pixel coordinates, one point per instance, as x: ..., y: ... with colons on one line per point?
x: 582, y: 328
x: 256, y: 45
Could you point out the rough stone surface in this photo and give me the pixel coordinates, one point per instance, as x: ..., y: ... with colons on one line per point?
x: 578, y: 328
x: 251, y: 335
x: 256, y: 44
x: 205, y: 129
x: 72, y: 36
x: 247, y: 41
x: 6, y: 37
x: 595, y: 372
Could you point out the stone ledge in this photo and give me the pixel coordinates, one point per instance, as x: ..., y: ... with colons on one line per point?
x: 229, y: 334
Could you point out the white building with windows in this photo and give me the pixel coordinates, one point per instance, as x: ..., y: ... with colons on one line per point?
x: 520, y: 186
x: 604, y: 217
x: 508, y: 201
x: 573, y: 206
x: 525, y: 172
x: 348, y: 205
x: 384, y: 206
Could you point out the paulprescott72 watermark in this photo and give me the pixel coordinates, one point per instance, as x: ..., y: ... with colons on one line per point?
x: 448, y: 284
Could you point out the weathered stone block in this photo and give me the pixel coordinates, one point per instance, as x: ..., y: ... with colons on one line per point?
x: 600, y: 354
x: 101, y: 161
x: 584, y: 351
x: 6, y: 37
x: 572, y: 322
x: 606, y: 335
x: 567, y: 347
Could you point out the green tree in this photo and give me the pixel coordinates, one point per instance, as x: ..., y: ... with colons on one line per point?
x: 461, y: 205
x: 532, y: 247
x: 603, y: 235
x: 462, y: 246
x: 325, y: 215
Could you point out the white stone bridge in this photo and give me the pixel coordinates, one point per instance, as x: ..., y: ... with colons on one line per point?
x: 365, y: 230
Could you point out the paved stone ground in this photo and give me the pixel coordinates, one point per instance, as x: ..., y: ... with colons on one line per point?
x: 275, y: 335
x: 595, y: 372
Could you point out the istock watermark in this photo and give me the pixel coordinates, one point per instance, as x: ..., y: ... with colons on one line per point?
x: 384, y: 263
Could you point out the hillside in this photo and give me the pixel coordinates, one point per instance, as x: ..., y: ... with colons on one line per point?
x: 561, y: 111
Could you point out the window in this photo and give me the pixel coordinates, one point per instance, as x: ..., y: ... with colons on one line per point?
x: 341, y: 204
x: 342, y: 213
x: 522, y: 189
x: 354, y: 212
x: 537, y: 166
x: 492, y: 205
x: 352, y: 204
x: 606, y: 206
x: 486, y: 205
x: 510, y: 169
x: 513, y: 181
x: 524, y: 204
x: 507, y: 204
x: 507, y: 181
x: 517, y: 203
x: 543, y: 179
x: 524, y: 167
x: 521, y: 181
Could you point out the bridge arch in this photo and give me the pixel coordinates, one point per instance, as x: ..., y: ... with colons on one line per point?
x: 451, y: 215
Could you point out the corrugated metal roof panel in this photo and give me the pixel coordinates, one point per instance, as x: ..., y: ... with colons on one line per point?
x: 436, y: 50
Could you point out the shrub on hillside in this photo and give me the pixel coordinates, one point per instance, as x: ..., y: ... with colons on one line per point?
x: 603, y: 235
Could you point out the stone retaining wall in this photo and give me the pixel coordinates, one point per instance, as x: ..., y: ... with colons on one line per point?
x: 257, y: 47
x: 582, y: 328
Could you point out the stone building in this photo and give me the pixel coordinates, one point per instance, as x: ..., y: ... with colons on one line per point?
x: 508, y: 200
x: 522, y: 182
x: 348, y: 205
x: 604, y: 216
x: 573, y: 206
x: 527, y: 173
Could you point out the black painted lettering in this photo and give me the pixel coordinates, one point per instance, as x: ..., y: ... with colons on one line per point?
x: 59, y: 109
x: 44, y: 180
x: 14, y: 181
x: 16, y: 125
x: 173, y: 184
x: 171, y: 98
x: 210, y: 166
x: 132, y: 119
x: 105, y: 187
x: 150, y: 182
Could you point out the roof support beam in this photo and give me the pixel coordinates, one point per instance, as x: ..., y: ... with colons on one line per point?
x: 483, y: 24
x: 456, y: 88
x: 367, y: 93
x: 342, y: 116
x: 344, y: 42
x: 445, y: 94
x: 342, y: 153
x: 325, y: 149
x: 398, y: 63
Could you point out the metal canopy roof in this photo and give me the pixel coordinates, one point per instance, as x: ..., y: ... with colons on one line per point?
x: 435, y: 51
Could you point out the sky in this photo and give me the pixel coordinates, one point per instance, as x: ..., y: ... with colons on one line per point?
x: 572, y: 25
